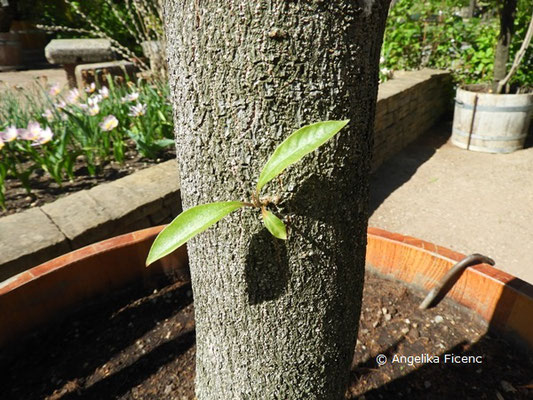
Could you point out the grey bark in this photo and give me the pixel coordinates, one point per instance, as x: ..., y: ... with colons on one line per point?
x: 471, y: 8
x: 501, y: 56
x: 274, y: 319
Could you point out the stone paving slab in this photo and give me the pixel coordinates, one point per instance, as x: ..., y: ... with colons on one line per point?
x: 28, y: 79
x: 149, y: 187
x: 145, y: 193
x: 467, y: 201
x: 79, y: 216
x: 30, y: 229
x: 77, y: 51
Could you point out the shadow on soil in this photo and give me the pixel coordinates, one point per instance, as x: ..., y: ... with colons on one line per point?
x: 105, y: 329
x: 121, y: 382
x: 452, y: 380
x: 101, y: 334
x: 401, y: 167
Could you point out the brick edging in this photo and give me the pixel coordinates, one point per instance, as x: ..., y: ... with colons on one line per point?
x: 408, y: 106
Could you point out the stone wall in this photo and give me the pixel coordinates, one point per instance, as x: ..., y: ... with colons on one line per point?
x: 145, y: 198
x: 407, y: 106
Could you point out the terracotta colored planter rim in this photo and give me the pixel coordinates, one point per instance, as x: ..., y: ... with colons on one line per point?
x: 451, y: 256
x: 85, y: 253
x: 38, y: 295
x: 504, y: 301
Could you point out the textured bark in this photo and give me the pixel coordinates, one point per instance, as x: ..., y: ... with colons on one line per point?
x: 274, y: 319
x: 471, y: 8
x: 501, y: 56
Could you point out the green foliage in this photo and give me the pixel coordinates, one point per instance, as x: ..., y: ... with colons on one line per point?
x: 51, y: 131
x: 274, y: 225
x: 302, y: 142
x: 433, y: 34
x: 59, y: 13
x: 523, y: 75
x: 126, y: 24
x: 188, y: 224
x: 197, y: 219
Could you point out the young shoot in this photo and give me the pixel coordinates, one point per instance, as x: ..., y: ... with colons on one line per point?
x: 197, y: 219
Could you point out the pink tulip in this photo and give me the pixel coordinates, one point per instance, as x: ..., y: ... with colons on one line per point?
x: 45, y: 136
x: 109, y: 123
x: 32, y: 132
x: 54, y: 90
x: 9, y: 134
x: 137, y: 110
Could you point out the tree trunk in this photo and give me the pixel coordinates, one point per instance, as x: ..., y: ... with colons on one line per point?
x: 501, y: 56
x: 471, y: 8
x: 275, y: 319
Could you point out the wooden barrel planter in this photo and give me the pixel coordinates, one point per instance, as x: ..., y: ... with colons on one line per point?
x: 492, y: 123
x: 10, y: 51
x: 57, y: 287
x: 33, y: 41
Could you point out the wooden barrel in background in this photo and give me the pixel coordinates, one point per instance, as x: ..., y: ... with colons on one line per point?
x: 33, y: 42
x: 492, y: 123
x: 10, y: 51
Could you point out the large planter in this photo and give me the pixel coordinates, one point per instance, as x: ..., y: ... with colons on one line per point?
x: 54, y: 288
x: 6, y: 16
x: 492, y: 123
x: 10, y: 51
x: 33, y: 41
x: 37, y: 296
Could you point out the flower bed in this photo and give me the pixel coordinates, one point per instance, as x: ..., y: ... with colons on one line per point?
x: 56, y: 131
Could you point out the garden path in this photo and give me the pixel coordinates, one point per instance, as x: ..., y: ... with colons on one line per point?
x: 27, y: 79
x: 467, y: 201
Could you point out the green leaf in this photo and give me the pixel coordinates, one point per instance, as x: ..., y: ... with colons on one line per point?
x: 297, y: 145
x: 274, y: 225
x: 187, y: 225
x: 164, y: 142
x: 161, y: 116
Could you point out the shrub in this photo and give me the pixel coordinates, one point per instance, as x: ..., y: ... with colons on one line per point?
x: 434, y: 34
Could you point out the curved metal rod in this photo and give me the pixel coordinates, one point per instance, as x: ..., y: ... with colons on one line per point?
x: 436, y: 294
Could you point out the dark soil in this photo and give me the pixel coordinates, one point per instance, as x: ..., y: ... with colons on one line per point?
x: 46, y: 190
x: 140, y: 344
x: 488, y: 88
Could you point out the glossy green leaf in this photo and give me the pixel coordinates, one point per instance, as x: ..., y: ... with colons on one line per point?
x: 274, y: 225
x: 187, y: 225
x: 297, y: 145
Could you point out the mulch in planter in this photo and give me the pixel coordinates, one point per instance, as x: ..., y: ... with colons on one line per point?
x: 46, y: 190
x: 140, y: 344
